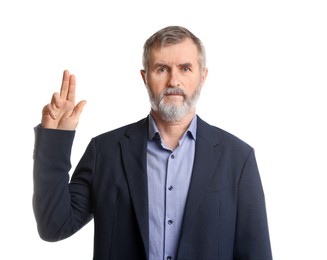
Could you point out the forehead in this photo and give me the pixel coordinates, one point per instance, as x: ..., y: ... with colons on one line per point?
x: 185, y: 51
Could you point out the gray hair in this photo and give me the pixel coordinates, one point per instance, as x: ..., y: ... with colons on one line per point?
x: 168, y: 36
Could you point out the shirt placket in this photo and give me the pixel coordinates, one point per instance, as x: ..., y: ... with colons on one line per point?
x: 170, y: 206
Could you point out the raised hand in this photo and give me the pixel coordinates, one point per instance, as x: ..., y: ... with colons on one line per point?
x: 62, y: 113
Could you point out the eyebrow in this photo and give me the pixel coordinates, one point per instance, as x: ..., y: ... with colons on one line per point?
x: 160, y: 65
x: 187, y: 64
x: 182, y: 65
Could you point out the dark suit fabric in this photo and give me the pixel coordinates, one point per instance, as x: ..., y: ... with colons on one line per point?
x: 225, y: 215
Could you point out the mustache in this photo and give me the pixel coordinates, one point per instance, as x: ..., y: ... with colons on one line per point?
x: 174, y: 91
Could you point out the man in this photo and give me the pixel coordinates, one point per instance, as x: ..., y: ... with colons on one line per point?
x: 167, y: 187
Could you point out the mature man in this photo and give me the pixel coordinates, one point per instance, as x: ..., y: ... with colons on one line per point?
x: 169, y: 186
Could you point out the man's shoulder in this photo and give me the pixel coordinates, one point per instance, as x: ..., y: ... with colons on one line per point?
x: 138, y: 127
x: 220, y: 136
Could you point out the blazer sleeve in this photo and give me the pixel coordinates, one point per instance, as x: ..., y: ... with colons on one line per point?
x: 252, y: 236
x: 59, y: 209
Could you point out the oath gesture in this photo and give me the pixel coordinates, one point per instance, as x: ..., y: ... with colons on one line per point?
x: 62, y: 113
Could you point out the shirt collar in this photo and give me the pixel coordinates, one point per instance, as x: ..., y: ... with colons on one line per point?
x: 154, y: 132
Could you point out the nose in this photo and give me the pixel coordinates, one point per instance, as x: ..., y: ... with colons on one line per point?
x: 174, y: 80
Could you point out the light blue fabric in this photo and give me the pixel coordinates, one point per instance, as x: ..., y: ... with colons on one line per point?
x: 169, y: 173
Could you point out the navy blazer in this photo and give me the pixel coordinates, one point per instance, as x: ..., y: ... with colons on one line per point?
x: 224, y: 219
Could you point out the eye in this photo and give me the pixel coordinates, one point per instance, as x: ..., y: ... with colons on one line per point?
x: 185, y: 69
x: 162, y: 69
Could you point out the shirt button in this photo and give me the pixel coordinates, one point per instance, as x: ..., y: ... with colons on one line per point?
x: 169, y: 258
x: 172, y: 156
x: 170, y: 188
x: 170, y: 222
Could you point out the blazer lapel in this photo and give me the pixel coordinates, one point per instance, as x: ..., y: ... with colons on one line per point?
x: 134, y: 159
x: 207, y: 156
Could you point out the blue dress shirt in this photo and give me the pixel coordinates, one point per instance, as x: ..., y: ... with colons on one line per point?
x: 169, y: 174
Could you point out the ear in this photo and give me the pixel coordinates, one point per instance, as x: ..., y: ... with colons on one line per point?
x: 204, y: 76
x: 143, y: 76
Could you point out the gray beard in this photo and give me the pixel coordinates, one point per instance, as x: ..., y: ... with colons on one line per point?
x: 173, y: 112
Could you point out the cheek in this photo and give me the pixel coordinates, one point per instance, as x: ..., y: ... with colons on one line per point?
x: 156, y: 85
x: 191, y: 86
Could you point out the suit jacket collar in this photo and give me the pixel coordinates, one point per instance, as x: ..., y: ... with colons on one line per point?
x: 134, y: 149
x: 207, y: 156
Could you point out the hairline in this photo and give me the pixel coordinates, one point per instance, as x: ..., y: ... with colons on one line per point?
x: 169, y: 36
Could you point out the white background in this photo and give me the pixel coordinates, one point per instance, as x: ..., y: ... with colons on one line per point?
x: 267, y: 77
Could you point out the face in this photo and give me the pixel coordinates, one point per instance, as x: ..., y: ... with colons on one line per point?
x: 174, y: 80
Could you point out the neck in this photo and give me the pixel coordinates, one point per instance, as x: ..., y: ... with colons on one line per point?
x: 171, y: 132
